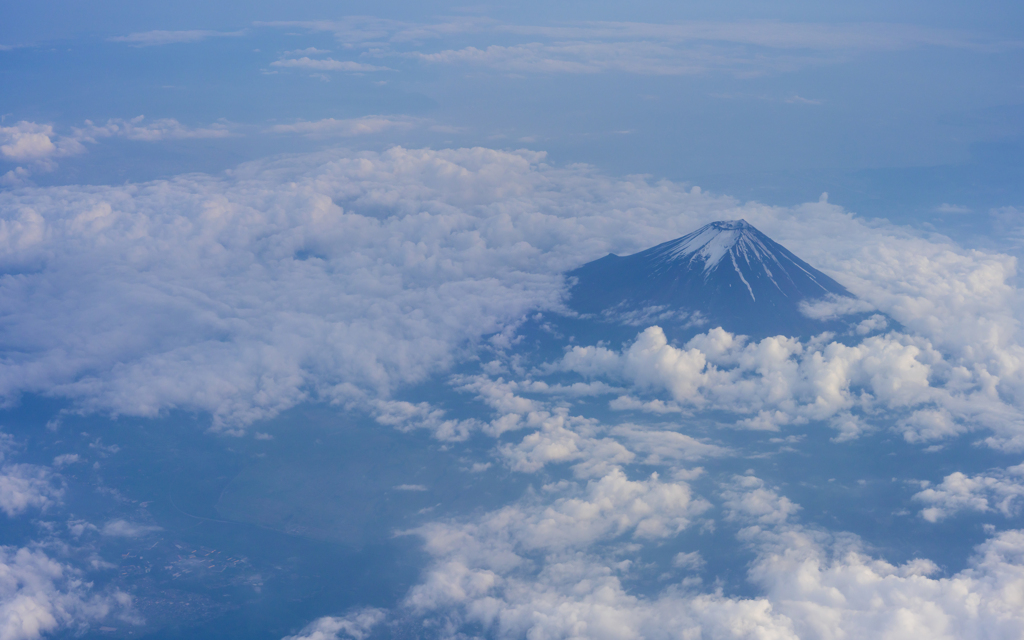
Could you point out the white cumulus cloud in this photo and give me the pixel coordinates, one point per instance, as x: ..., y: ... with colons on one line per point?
x: 40, y: 596
x: 27, y: 486
x: 778, y: 381
x: 36, y: 143
x: 1001, y: 491
x: 356, y: 625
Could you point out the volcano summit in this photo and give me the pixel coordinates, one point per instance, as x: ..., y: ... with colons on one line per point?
x: 725, y: 274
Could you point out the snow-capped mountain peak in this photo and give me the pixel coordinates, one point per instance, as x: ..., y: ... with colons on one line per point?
x: 740, y: 243
x: 726, y: 273
x: 712, y: 242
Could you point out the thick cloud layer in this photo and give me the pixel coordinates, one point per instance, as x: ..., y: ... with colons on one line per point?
x: 339, y: 276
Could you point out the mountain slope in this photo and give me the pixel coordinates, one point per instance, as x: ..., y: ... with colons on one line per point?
x: 725, y: 274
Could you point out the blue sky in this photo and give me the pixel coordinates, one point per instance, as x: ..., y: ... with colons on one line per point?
x: 894, y: 109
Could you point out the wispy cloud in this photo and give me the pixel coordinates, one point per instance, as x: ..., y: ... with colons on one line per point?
x: 773, y: 34
x: 154, y: 38
x: 795, y: 99
x: 326, y: 64
x: 642, y: 58
x: 695, y: 47
x: 123, y: 529
x: 946, y: 207
x: 364, y: 30
x: 411, y: 487
x: 346, y: 127
x: 762, y: 33
x: 308, y: 51
x: 153, y: 131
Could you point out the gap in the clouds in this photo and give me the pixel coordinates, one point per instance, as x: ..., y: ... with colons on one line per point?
x: 341, y: 476
x: 144, y: 496
x: 862, y: 486
x: 652, y: 569
x: 310, y: 510
x: 865, y: 486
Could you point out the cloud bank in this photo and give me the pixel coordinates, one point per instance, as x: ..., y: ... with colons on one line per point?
x: 341, y: 276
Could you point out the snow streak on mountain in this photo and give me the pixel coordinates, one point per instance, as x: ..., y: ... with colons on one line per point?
x: 725, y: 274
